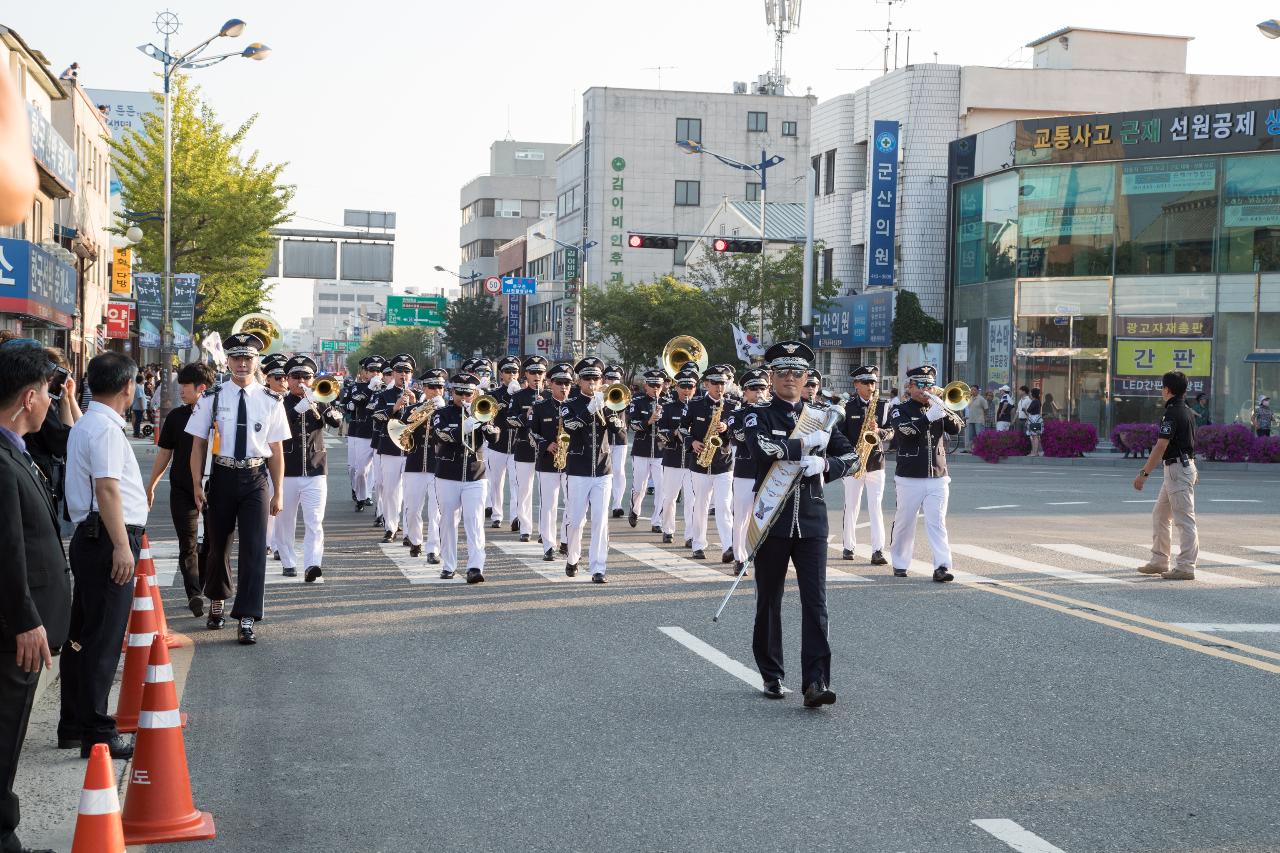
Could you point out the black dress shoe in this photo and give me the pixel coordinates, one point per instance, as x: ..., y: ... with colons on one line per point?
x: 653, y: 528
x: 247, y: 636
x: 65, y: 742
x: 388, y: 536
x: 488, y: 512
x: 847, y: 554
x: 773, y: 689
x: 377, y: 521
x: 633, y: 519
x: 353, y: 496
x: 515, y: 525
x: 649, y: 491
x: 214, y: 622
x: 570, y: 570
x: 598, y: 577
x: 497, y: 523
x: 739, y: 567
x: 289, y: 572
x: 818, y: 694
x: 539, y: 538
x: 196, y: 603
x: 941, y: 575
x: 475, y: 576
x: 899, y: 573
x: 667, y: 539
x: 433, y: 559
x: 688, y: 543
x: 275, y: 555
x: 415, y: 550
x: 406, y: 543
x: 359, y: 506
x: 727, y: 556
x: 524, y: 537
x: 120, y: 748
x: 617, y: 513
x: 698, y: 555
x: 877, y: 559
x: 564, y: 549
x: 446, y: 574
x: 549, y: 556
x: 313, y: 574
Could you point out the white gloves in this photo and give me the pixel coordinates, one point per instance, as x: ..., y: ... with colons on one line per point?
x: 438, y: 402
x: 469, y: 425
x: 304, y: 405
x: 597, y: 402
x: 935, y: 413
x: 817, y: 438
x: 513, y: 386
x: 814, y: 465
x: 375, y: 384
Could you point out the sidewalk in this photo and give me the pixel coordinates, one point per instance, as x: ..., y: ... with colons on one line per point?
x: 1107, y: 459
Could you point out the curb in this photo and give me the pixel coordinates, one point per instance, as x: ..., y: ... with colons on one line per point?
x: 1118, y: 462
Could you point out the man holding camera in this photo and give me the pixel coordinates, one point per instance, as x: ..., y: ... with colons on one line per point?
x: 1176, y: 506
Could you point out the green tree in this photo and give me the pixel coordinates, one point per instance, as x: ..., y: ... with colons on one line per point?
x: 474, y: 324
x: 911, y: 325
x: 224, y: 203
x: 393, y: 340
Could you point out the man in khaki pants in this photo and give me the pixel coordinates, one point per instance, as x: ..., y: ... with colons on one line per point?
x: 1176, y: 506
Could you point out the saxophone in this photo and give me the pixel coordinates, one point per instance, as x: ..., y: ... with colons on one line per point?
x: 561, y: 457
x: 712, y: 442
x: 869, y: 435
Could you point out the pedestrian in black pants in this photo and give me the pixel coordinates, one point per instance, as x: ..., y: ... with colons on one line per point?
x: 108, y: 504
x: 35, y: 592
x: 175, y: 444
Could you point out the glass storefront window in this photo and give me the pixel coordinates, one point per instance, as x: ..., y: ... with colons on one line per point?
x: 1063, y: 345
x: 1168, y: 216
x: 1250, y: 213
x: 986, y: 229
x: 1066, y: 220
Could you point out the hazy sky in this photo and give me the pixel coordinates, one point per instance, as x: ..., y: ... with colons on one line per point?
x: 392, y: 106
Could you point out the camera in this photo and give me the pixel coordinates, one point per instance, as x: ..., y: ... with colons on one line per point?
x: 58, y: 381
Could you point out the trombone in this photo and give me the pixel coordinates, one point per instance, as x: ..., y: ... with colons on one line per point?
x: 483, y: 410
x: 326, y: 389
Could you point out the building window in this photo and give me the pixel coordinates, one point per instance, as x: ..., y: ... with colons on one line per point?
x: 790, y: 128
x: 757, y: 122
x: 508, y: 208
x: 817, y: 173
x: 1168, y: 211
x: 828, y: 265
x: 1066, y: 220
x: 525, y: 154
x: 1250, y: 226
x: 366, y: 297
x: 346, y: 297
x: 545, y: 209
x: 689, y: 129
x: 688, y: 193
x: 753, y: 190
x: 478, y: 249
x: 829, y: 186
x: 37, y: 221
x: 682, y: 252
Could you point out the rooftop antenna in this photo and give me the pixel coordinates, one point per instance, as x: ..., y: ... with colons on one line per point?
x: 783, y: 16
x: 890, y: 36
x: 659, y: 69
x: 508, y: 136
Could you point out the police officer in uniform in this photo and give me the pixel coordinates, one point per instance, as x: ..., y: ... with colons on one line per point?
x: 812, y: 386
x: 420, y: 472
x: 754, y: 387
x: 524, y: 452
x: 865, y: 379
x: 919, y: 424
x: 360, y: 430
x: 306, y: 463
x: 676, y: 479
x: 500, y: 460
x: 544, y: 427
x: 643, y: 413
x: 245, y: 482
x: 617, y: 451
x: 391, y: 402
x: 460, y: 480
x: 713, y: 482
x: 588, y: 479
x: 1176, y: 506
x: 799, y: 536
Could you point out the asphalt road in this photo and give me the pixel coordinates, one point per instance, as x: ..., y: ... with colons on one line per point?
x: 1064, y: 701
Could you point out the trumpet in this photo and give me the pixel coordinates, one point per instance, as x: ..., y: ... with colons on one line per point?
x: 682, y: 350
x: 956, y: 395
x: 326, y: 389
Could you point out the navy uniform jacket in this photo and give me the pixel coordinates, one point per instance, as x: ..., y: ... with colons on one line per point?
x: 697, y: 419
x: 620, y: 437
x: 589, y: 436
x: 668, y: 426
x: 851, y: 426
x: 422, y: 459
x: 359, y: 415
x: 384, y: 407
x: 504, y: 440
x: 457, y: 459
x: 920, y: 448
x: 544, y: 420
x: 744, y: 461
x: 805, y: 513
x: 305, y: 456
x: 639, y: 410
x: 516, y: 416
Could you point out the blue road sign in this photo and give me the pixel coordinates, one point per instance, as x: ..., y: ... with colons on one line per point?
x: 513, y: 286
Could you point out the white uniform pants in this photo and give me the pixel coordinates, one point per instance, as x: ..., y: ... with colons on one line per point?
x: 584, y: 492
x: 375, y: 481
x: 872, y: 484
x: 917, y: 494
x: 522, y: 478
x: 646, y: 470
x: 676, y: 481
x: 496, y: 467
x: 272, y: 544
x: 465, y: 499
x: 420, y: 494
x: 308, y: 494
x: 359, y: 461
x: 618, y: 459
x: 550, y: 487
x: 744, y: 499
x: 708, y: 488
x: 390, y: 490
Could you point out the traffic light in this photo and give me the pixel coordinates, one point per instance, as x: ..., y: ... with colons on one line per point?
x: 746, y: 247
x: 651, y: 241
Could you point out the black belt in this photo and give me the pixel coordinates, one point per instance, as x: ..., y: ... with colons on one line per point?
x: 136, y: 529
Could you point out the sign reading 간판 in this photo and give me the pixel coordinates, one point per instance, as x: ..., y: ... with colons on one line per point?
x: 884, y: 204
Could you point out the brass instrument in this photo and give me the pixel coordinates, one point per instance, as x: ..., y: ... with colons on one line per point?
x: 264, y: 327
x: 561, y: 457
x: 712, y: 441
x: 956, y: 396
x: 617, y: 397
x: 682, y: 350
x: 869, y: 435
x: 401, y: 432
x: 485, y: 409
x: 326, y: 389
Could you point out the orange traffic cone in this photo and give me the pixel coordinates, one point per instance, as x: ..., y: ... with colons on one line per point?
x: 158, y: 805
x: 147, y: 566
x: 142, y: 628
x: 98, y: 826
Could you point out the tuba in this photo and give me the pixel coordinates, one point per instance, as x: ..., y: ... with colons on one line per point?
x: 326, y: 389
x: 264, y: 327
x: 682, y: 350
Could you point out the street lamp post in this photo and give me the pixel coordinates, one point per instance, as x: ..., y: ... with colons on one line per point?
x: 167, y: 24
x: 761, y: 170
x: 579, y: 321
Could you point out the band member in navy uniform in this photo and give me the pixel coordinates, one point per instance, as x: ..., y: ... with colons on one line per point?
x: 500, y: 460
x: 754, y: 386
x: 919, y: 424
x: 272, y: 367
x: 387, y: 404
x: 360, y: 430
x: 544, y: 427
x: 812, y: 386
x: 306, y: 464
x: 714, y: 482
x: 245, y: 482
x: 420, y: 474
x: 643, y: 413
x: 799, y: 536
x: 460, y: 481
x: 524, y: 452
x: 617, y: 451
x: 676, y: 475
x: 590, y: 426
x: 865, y: 379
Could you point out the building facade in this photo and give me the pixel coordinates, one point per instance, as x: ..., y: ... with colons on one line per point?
x: 347, y: 312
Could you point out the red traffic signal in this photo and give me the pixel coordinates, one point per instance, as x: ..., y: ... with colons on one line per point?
x: 650, y: 241
x: 748, y: 247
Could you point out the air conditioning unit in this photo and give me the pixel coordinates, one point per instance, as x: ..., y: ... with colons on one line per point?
x: 739, y: 88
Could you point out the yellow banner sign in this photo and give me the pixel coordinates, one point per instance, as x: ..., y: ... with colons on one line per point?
x: 1155, y: 358
x: 122, y: 273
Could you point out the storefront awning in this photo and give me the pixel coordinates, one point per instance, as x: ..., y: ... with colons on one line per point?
x: 1263, y: 357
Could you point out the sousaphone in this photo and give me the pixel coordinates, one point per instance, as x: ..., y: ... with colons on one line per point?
x: 264, y: 327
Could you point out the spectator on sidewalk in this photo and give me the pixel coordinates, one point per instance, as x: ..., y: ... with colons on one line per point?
x: 174, y: 443
x: 1200, y: 408
x: 1052, y: 411
x: 138, y: 408
x: 1004, y: 410
x: 1020, y: 414
x: 1035, y: 421
x: 35, y: 592
x: 975, y: 419
x: 1263, y: 416
x: 48, y: 444
x: 108, y: 504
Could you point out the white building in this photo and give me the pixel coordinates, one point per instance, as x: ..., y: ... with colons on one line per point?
x: 348, y: 311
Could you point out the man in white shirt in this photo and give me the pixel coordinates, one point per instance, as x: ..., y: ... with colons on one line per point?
x: 108, y: 504
x: 249, y: 428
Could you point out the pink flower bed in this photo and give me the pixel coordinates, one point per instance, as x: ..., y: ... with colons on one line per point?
x: 993, y: 445
x: 1068, y: 439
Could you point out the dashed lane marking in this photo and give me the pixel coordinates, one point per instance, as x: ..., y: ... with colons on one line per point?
x: 1066, y: 503
x: 1118, y: 561
x: 977, y: 552
x: 1013, y: 835
x: 1231, y: 627
x: 1234, y: 501
x: 717, y: 657
x: 999, y: 506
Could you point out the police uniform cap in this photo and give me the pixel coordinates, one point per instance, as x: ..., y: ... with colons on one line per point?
x: 509, y: 362
x: 243, y: 344
x: 299, y: 363
x: 465, y: 381
x: 754, y: 379
x: 865, y: 372
x: 654, y: 376
x: 613, y: 372
x: 435, y: 377
x: 273, y: 365
x: 589, y: 368
x: 814, y: 376
x: 535, y: 363
x: 923, y: 370
x: 785, y: 355
x: 403, y: 359
x: 562, y: 370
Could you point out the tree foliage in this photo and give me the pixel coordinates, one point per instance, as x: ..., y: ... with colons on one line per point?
x: 224, y: 203
x: 638, y: 321
x: 911, y: 325
x: 393, y: 340
x: 474, y: 324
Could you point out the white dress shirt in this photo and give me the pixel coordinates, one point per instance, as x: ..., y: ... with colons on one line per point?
x: 267, y: 422
x: 97, y: 449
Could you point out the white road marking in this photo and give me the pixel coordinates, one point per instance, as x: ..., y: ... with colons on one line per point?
x: 416, y: 569
x: 530, y: 554
x: 1231, y: 627
x: 1228, y: 560
x: 717, y: 657
x: 1234, y: 501
x: 977, y: 552
x: 999, y: 506
x: 1264, y: 549
x: 1118, y: 561
x: 1141, y: 501
x: 671, y: 563
x: 1022, y: 840
x: 920, y: 567
x: 1066, y: 503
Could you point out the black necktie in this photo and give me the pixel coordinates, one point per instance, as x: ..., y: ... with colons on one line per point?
x: 242, y: 428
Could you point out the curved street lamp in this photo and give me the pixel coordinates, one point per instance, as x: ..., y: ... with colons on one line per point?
x: 1270, y: 28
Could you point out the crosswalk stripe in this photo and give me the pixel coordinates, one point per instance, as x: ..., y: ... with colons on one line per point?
x: 1119, y: 561
x: 672, y: 564
x: 1264, y: 549
x: 1228, y: 560
x: 415, y: 569
x: 1013, y: 835
x: 920, y: 567
x: 530, y: 555
x: 977, y: 552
